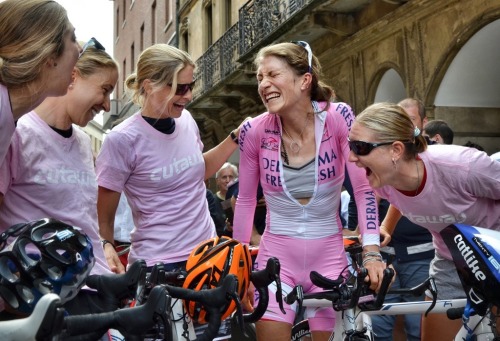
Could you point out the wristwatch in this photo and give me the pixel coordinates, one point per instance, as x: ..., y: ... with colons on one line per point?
x: 104, y: 242
x: 234, y: 137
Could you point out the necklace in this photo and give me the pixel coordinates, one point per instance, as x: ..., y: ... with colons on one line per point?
x: 418, y: 178
x: 295, y: 146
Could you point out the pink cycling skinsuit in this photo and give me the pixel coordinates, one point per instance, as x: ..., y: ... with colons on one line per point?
x: 303, y: 237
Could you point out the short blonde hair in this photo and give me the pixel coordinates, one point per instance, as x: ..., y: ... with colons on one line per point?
x: 390, y: 122
x: 31, y: 31
x: 161, y: 64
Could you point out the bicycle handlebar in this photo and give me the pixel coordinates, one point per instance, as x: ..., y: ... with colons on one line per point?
x: 261, y: 280
x: 212, y: 300
x: 43, y: 324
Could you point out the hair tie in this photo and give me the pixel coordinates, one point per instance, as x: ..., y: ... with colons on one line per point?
x: 416, y: 132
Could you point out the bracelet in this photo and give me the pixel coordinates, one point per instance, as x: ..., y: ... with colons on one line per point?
x: 372, y: 254
x: 104, y: 242
x: 234, y: 137
x: 370, y: 259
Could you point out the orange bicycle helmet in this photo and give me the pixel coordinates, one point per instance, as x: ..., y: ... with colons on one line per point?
x: 208, y: 264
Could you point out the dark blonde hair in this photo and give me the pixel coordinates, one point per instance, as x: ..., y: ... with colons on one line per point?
x: 31, y: 31
x: 161, y: 64
x: 297, y: 58
x: 93, y: 60
x: 390, y: 122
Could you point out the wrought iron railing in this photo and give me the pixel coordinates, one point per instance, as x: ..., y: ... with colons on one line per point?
x: 219, y: 61
x: 260, y: 18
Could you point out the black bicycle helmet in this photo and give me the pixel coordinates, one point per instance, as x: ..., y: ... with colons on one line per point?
x: 47, y: 256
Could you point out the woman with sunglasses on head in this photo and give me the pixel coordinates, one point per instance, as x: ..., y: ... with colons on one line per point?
x: 156, y: 157
x: 49, y: 168
x: 432, y: 186
x: 36, y: 59
x: 298, y: 150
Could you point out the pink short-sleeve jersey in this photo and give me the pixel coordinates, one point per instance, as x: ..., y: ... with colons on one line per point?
x: 7, y: 125
x: 462, y: 186
x: 260, y: 160
x: 47, y: 175
x: 162, y: 176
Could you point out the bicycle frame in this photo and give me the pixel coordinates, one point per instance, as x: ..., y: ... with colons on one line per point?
x: 354, y: 320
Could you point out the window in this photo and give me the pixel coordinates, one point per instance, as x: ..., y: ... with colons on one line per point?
x: 132, y: 57
x: 208, y: 25
x: 141, y: 38
x: 153, y: 23
x: 124, y: 10
x: 227, y: 14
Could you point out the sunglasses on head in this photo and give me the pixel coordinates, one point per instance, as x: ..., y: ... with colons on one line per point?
x: 308, y: 49
x: 363, y: 148
x: 182, y: 89
x: 92, y: 42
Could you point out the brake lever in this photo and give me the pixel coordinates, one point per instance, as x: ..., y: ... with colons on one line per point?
x: 433, y: 290
x: 239, y: 310
x: 279, y: 291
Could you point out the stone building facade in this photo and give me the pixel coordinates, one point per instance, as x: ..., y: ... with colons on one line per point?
x: 444, y: 52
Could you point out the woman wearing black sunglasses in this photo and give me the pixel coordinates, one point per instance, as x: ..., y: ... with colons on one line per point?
x: 432, y: 186
x: 298, y: 151
x: 156, y: 157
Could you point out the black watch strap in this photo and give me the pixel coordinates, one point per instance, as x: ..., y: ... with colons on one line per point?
x: 234, y: 137
x: 105, y: 241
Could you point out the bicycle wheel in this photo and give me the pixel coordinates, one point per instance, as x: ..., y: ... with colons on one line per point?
x: 301, y: 332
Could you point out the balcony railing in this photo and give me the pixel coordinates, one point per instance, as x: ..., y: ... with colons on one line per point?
x: 258, y: 19
x: 219, y: 61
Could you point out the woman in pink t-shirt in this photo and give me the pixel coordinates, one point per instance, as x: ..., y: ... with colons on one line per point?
x: 432, y: 186
x: 156, y: 158
x: 49, y: 169
x: 36, y: 59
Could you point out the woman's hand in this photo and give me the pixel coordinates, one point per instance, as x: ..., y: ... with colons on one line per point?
x: 248, y: 300
x: 113, y: 260
x: 375, y: 274
x: 385, y: 236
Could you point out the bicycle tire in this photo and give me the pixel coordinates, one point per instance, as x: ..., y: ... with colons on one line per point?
x: 300, y: 331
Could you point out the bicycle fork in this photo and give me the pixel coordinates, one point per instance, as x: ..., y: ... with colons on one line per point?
x: 481, y: 326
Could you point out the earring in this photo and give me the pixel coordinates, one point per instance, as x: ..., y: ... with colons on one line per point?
x: 71, y: 86
x: 394, y: 163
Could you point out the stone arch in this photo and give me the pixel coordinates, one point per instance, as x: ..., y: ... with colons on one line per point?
x: 464, y: 89
x: 387, y: 85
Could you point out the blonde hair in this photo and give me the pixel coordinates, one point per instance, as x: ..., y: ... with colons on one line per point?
x: 161, y: 64
x: 390, y: 122
x: 31, y: 31
x: 93, y: 60
x: 297, y: 58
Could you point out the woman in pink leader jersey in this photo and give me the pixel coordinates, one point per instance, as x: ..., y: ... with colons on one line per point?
x: 298, y: 151
x: 156, y: 157
x: 36, y: 59
x: 49, y: 168
x: 432, y: 186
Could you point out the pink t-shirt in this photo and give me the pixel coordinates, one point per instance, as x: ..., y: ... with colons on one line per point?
x: 47, y: 175
x: 260, y: 160
x: 7, y: 125
x: 162, y: 176
x: 462, y: 186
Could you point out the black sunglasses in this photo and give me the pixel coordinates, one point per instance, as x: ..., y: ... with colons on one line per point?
x: 92, y: 42
x: 362, y: 148
x: 309, y: 51
x: 182, y: 89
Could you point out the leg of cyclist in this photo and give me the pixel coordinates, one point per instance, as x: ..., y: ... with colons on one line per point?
x: 411, y: 274
x: 437, y: 327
